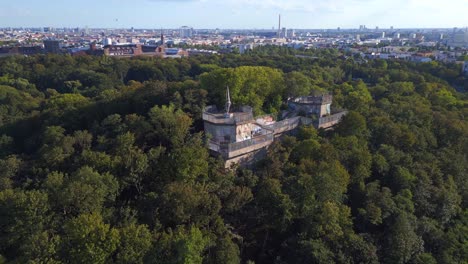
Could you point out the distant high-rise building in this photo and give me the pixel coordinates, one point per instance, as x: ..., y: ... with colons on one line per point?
x: 459, y: 38
x: 245, y: 47
x: 186, y: 32
x: 396, y: 36
x: 279, y: 26
x: 162, y: 38
x: 465, y: 68
x: 107, y: 41
x: 292, y: 33
x: 383, y: 34
x: 284, y: 33
x: 52, y: 46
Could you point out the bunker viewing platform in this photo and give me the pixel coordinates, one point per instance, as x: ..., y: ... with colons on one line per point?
x: 231, y: 150
x: 240, y: 115
x: 235, y: 133
x: 240, y: 138
x: 313, y: 100
x: 329, y: 121
x: 285, y: 125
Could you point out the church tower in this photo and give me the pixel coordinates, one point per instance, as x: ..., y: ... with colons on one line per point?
x: 162, y: 37
x: 161, y: 49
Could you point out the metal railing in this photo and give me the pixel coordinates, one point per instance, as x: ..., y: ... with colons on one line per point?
x: 250, y: 142
x: 211, y: 114
x: 332, y: 118
x: 226, y: 148
x: 265, y: 116
x: 221, y: 119
x: 218, y: 119
x: 243, y: 117
x: 313, y: 99
x: 285, y: 125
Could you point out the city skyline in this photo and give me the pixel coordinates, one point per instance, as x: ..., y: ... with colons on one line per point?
x: 240, y: 14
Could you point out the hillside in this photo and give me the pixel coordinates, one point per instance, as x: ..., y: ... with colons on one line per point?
x: 104, y: 160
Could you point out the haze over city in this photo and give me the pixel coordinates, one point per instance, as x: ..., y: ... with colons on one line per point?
x: 235, y: 13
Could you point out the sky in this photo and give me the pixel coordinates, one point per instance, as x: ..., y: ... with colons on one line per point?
x: 237, y: 14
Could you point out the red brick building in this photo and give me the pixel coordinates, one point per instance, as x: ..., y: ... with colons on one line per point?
x: 127, y: 50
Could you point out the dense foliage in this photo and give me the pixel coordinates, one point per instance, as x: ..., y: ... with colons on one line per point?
x: 103, y: 160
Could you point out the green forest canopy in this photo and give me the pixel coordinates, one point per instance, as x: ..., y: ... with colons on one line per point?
x: 103, y: 160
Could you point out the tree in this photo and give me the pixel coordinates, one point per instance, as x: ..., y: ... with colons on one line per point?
x: 184, y: 245
x: 379, y: 204
x: 56, y: 150
x: 190, y: 162
x: 24, y: 215
x: 448, y: 205
x: 15, y: 104
x: 66, y: 101
x: 425, y: 258
x: 42, y: 247
x: 353, y: 124
x: 297, y: 84
x: 355, y: 157
x: 85, y: 191
x: 253, y: 86
x: 132, y: 162
x: 358, y: 97
x: 112, y: 125
x: 182, y: 203
x: 171, y: 126
x: 143, y: 72
x: 135, y: 242
x: 225, y: 251
x: 402, y: 88
x: 307, y: 132
x: 71, y: 86
x: 89, y: 240
x: 330, y: 180
x: 6, y: 145
x: 8, y: 169
x: 333, y: 221
x: 83, y: 140
x: 274, y: 207
x: 403, y: 243
x: 315, y: 251
x: 454, y: 246
x: 307, y: 149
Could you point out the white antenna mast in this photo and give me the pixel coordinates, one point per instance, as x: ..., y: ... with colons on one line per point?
x: 228, y: 101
